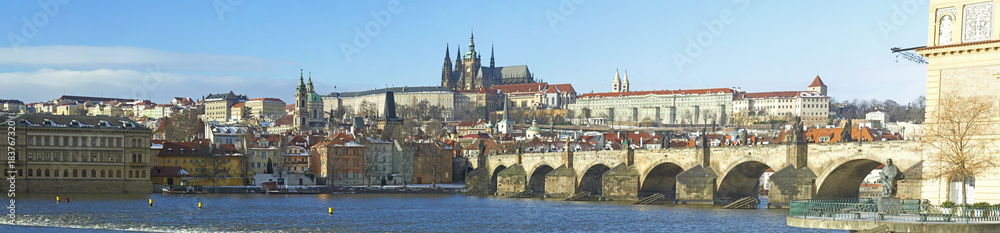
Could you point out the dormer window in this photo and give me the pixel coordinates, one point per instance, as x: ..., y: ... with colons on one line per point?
x: 170, y: 150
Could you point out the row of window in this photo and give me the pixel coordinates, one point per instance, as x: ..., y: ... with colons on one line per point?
x: 80, y: 141
x: 77, y: 156
x: 83, y: 173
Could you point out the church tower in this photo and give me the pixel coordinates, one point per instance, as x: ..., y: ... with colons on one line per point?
x: 617, y: 83
x: 301, y: 109
x: 470, y: 67
x: 624, y: 87
x: 447, y: 70
x: 818, y: 86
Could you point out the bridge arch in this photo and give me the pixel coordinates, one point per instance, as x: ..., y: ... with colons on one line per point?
x: 661, y: 178
x: 741, y: 180
x: 493, y: 178
x: 844, y: 180
x: 536, y: 179
x: 592, y: 178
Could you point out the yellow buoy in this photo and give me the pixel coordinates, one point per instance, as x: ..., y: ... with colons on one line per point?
x: 331, y: 210
x: 199, y: 205
x: 150, y: 202
x: 57, y: 199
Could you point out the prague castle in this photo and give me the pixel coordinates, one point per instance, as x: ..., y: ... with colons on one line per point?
x: 468, y: 73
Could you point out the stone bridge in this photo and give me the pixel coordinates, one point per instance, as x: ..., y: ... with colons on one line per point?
x: 715, y: 175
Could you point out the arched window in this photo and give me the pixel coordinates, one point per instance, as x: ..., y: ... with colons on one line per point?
x: 30, y: 172
x: 66, y: 173
x: 56, y: 173
x: 75, y: 173
x: 130, y: 174
x: 119, y: 172
x: 83, y: 173
x: 102, y: 174
x: 46, y: 172
x: 93, y: 173
x: 143, y: 174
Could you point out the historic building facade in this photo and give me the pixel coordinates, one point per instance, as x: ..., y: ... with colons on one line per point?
x: 361, y: 103
x: 218, y: 107
x: 80, y: 154
x: 468, y: 72
x: 812, y: 105
x: 962, y: 52
x: 696, y: 106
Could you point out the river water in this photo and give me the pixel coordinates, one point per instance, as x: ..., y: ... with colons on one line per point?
x: 374, y: 213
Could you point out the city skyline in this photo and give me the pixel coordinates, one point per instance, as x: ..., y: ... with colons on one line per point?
x: 255, y: 48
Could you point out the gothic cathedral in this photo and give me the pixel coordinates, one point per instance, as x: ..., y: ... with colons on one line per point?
x: 469, y: 74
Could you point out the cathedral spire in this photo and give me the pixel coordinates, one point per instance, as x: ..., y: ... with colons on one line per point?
x: 447, y: 52
x: 472, y: 47
x: 624, y: 86
x: 491, y: 56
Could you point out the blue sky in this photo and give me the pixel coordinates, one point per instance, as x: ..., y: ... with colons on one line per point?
x: 161, y: 49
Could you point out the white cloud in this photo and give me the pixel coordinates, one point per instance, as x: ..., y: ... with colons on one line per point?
x: 148, y: 83
x: 120, y: 57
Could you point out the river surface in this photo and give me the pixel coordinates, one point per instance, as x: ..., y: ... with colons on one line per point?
x: 374, y: 213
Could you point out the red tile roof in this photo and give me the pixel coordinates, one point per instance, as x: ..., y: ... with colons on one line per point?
x: 561, y: 88
x: 817, y: 82
x: 666, y: 92
x: 285, y: 120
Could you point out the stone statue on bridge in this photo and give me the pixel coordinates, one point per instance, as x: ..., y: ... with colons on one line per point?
x: 889, y: 175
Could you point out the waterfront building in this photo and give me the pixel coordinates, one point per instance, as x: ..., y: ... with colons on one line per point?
x: 167, y: 175
x: 695, y: 106
x: 218, y: 107
x: 295, y: 159
x: 432, y: 162
x: 261, y: 149
x: 468, y: 73
x: 812, y: 105
x: 208, y: 164
x: 962, y: 51
x: 339, y: 160
x: 80, y: 154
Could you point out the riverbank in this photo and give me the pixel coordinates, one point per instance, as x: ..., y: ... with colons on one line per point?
x: 387, y: 189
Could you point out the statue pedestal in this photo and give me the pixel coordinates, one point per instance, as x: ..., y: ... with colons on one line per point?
x: 889, y: 205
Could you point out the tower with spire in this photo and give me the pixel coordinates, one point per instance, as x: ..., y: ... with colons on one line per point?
x: 624, y: 86
x: 505, y: 126
x: 616, y: 84
x: 301, y: 112
x: 818, y: 86
x: 446, y: 71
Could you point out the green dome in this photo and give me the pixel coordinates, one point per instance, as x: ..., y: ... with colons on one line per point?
x: 313, y: 97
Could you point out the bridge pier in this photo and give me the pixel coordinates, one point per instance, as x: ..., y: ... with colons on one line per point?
x: 560, y: 182
x: 697, y: 185
x: 621, y: 183
x: 789, y: 184
x: 512, y: 180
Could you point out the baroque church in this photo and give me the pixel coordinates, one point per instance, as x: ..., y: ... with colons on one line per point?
x: 468, y: 73
x: 308, y: 114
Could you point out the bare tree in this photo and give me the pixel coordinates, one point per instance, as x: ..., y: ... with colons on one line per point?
x: 367, y: 109
x: 957, y: 131
x: 181, y: 127
x: 373, y: 158
x: 212, y: 167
